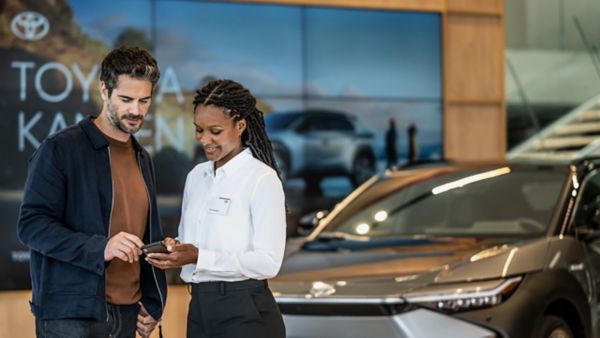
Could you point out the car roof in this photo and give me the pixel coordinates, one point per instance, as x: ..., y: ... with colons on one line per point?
x: 517, y: 164
x: 313, y: 111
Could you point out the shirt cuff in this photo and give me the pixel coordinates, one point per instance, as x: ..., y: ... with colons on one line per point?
x: 206, y: 260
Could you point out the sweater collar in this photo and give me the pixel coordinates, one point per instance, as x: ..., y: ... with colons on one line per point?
x: 97, y: 138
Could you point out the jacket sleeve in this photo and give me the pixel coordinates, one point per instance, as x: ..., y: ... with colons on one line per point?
x: 40, y: 225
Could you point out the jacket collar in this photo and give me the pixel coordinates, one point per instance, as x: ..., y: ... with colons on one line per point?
x: 97, y: 138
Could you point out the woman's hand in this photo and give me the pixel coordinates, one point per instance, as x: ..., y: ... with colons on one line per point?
x: 178, y: 256
x: 170, y: 242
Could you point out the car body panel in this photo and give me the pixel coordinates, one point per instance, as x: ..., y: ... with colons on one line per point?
x: 504, y: 261
x: 416, y: 323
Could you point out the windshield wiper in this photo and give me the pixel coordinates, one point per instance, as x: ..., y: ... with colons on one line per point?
x: 334, y: 241
x: 339, y: 236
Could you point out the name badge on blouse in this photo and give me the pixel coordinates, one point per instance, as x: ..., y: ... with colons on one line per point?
x: 219, y: 206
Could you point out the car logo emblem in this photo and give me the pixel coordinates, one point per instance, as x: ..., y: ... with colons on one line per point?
x: 30, y: 26
x: 320, y: 289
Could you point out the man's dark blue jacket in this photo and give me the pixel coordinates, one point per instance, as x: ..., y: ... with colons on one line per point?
x: 64, y: 219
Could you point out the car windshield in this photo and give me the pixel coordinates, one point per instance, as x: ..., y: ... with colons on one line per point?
x: 278, y: 121
x: 453, y: 203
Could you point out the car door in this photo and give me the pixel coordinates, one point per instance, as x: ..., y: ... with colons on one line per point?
x: 586, y: 225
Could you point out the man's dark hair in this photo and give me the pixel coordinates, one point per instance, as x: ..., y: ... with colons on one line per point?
x: 127, y: 60
x: 240, y: 104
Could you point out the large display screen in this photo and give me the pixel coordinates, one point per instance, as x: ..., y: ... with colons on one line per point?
x: 373, y: 66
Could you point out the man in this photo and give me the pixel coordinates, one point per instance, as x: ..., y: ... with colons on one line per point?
x: 89, y: 204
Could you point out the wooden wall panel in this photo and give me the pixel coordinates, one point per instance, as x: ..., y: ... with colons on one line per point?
x: 472, y: 62
x: 17, y: 321
x: 407, y: 5
x: 175, y: 318
x: 478, y: 6
x: 472, y: 132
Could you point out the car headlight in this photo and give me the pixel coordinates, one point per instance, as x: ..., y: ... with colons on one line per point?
x: 450, y: 305
x: 465, y: 296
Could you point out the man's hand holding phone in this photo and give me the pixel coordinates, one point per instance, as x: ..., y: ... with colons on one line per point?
x: 123, y: 246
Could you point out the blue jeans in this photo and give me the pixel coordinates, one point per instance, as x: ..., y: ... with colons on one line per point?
x: 121, y: 323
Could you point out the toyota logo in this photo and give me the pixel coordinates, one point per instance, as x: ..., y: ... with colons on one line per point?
x: 30, y: 26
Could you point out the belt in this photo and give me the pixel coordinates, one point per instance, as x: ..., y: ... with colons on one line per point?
x: 222, y: 287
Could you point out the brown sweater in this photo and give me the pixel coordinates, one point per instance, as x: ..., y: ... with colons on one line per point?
x: 129, y: 214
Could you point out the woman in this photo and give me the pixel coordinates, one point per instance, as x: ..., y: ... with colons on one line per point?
x: 232, y: 230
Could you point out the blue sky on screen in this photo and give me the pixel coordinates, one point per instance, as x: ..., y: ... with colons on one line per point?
x: 258, y: 45
x: 373, y: 64
x: 377, y: 53
x: 350, y: 53
x: 104, y: 20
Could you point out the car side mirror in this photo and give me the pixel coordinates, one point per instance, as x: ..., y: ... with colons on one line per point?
x: 587, y: 234
x: 310, y: 221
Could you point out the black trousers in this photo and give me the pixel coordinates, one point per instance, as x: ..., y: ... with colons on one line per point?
x: 233, y: 310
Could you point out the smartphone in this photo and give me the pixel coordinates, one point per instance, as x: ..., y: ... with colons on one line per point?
x: 156, y: 247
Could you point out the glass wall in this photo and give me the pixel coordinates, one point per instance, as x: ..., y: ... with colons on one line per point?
x: 552, y: 61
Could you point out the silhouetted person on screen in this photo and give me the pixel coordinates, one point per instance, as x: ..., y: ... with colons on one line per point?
x: 413, y: 150
x: 391, y: 136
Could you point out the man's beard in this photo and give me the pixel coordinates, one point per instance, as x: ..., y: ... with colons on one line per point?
x: 114, y: 119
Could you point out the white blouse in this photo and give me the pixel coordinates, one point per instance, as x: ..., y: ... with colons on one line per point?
x: 236, y: 218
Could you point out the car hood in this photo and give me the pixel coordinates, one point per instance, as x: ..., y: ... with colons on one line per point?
x: 398, y: 269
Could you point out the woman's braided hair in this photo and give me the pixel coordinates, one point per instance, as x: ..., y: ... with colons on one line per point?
x: 239, y: 103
